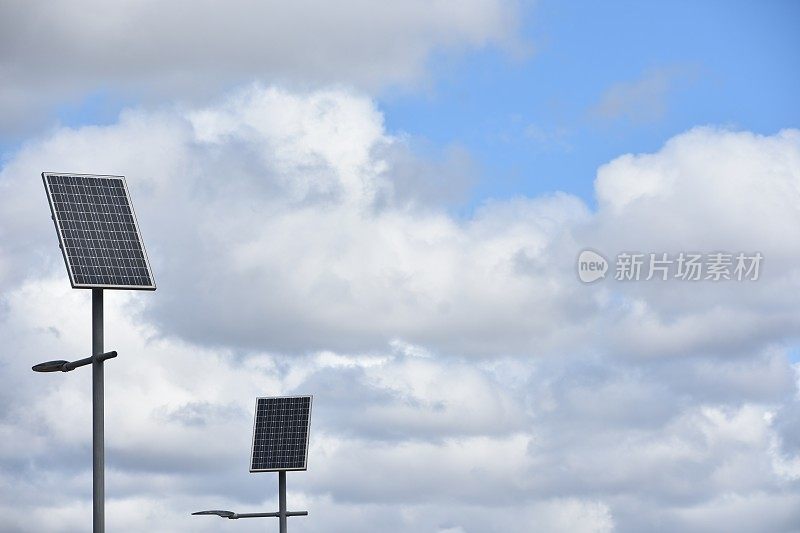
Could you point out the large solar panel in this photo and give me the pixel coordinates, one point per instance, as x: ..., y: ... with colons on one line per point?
x: 97, y: 231
x: 280, y: 434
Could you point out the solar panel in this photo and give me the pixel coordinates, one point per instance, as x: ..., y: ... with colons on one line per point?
x: 97, y: 231
x: 280, y: 434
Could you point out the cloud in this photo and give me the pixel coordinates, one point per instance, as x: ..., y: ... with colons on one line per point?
x: 641, y: 100
x: 54, y: 53
x: 292, y: 199
x: 464, y: 378
x: 299, y: 194
x: 555, y: 139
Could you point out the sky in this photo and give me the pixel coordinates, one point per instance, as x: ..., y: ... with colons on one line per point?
x: 383, y: 205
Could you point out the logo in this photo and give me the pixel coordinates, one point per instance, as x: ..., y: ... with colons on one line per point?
x: 663, y: 266
x: 591, y: 266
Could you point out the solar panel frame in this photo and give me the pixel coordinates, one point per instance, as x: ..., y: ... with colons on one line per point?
x: 61, y: 237
x: 307, y: 435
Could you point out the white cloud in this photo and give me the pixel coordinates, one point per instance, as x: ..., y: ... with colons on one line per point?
x: 464, y: 379
x: 308, y: 220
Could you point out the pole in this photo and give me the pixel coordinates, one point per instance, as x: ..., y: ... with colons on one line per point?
x: 98, y: 451
x: 282, y: 500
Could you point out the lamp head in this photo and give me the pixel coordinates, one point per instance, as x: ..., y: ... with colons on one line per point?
x: 223, y: 514
x: 50, y: 366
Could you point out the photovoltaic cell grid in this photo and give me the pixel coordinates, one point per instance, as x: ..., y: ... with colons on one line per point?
x: 98, y: 232
x: 280, y: 434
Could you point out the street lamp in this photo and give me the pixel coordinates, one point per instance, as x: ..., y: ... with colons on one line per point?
x: 280, y: 443
x: 102, y: 248
x: 235, y: 516
x: 66, y: 366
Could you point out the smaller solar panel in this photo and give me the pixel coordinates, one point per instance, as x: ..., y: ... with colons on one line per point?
x: 280, y: 434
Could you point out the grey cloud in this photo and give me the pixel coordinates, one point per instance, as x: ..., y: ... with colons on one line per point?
x: 787, y: 424
x: 644, y: 99
x: 53, y: 53
x: 360, y: 403
x: 200, y: 413
x: 433, y: 180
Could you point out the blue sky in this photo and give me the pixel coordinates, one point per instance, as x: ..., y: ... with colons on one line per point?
x: 723, y: 63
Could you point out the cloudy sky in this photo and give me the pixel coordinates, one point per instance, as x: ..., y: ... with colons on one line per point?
x: 382, y: 205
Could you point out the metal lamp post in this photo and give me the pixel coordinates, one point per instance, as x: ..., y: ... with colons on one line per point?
x: 102, y: 248
x: 97, y: 359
